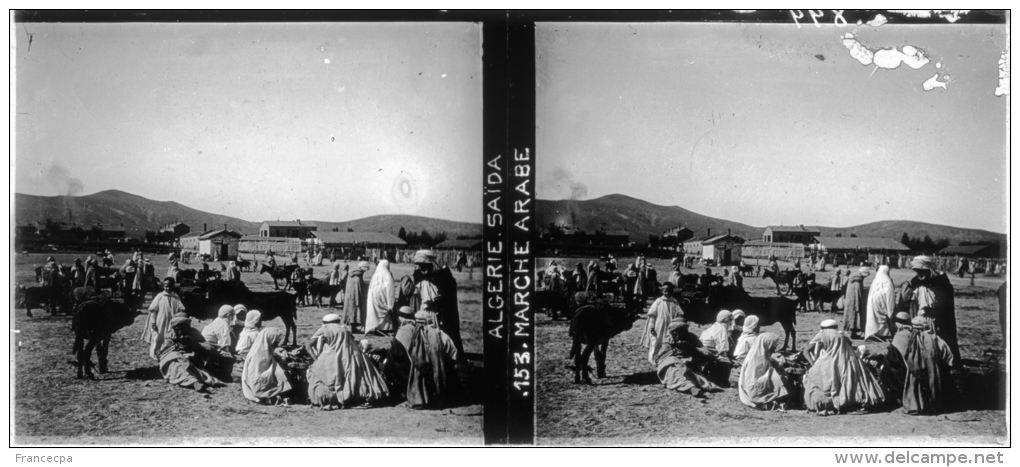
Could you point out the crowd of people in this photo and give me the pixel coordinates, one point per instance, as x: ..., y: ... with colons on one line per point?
x: 911, y: 349
x: 410, y: 349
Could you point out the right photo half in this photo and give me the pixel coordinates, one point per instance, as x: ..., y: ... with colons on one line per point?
x: 772, y: 233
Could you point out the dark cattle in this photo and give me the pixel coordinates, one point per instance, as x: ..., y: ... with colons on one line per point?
x: 591, y: 327
x: 769, y: 310
x: 281, y: 272
x: 688, y: 281
x: 244, y: 265
x: 747, y: 270
x: 784, y: 278
x: 820, y: 294
x: 186, y: 276
x: 272, y: 305
x: 319, y: 289
x: 300, y: 292
x: 94, y: 323
x: 82, y: 294
x: 108, y: 279
x: 52, y: 298
x: 555, y: 303
x: 276, y: 304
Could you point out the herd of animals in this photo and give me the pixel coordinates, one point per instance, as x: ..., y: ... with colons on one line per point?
x: 614, y: 308
x: 107, y: 305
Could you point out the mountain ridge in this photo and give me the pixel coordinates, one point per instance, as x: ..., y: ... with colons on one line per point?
x: 641, y: 218
x: 138, y: 214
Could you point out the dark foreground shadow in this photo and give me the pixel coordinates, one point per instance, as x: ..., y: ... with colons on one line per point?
x: 143, y: 374
x: 641, y: 379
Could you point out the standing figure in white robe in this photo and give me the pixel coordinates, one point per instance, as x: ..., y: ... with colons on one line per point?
x: 881, y: 301
x: 663, y: 310
x: 381, y: 296
x: 157, y: 326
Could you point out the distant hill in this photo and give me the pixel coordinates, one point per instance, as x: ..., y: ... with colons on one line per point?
x: 115, y: 208
x: 895, y: 229
x: 138, y: 214
x: 393, y: 223
x: 641, y: 219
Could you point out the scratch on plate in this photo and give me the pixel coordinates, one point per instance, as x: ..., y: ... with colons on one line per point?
x: 1003, y: 88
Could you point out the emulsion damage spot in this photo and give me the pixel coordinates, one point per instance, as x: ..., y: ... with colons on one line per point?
x: 404, y: 192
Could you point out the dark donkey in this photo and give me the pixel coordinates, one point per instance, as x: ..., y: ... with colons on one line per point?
x: 784, y: 278
x: 593, y: 324
x: 94, y: 323
x: 280, y: 272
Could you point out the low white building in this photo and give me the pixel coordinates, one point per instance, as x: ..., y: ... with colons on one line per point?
x: 190, y: 241
x: 721, y: 249
x: 221, y: 245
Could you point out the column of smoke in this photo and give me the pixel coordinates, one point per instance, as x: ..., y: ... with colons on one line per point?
x: 58, y: 179
x: 567, y: 187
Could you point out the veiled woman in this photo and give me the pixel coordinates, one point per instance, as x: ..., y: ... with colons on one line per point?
x: 264, y: 377
x: 749, y: 332
x: 342, y: 375
x: 381, y: 297
x: 854, y: 302
x: 762, y: 383
x: 838, y: 380
x: 355, y: 297
x: 251, y: 330
x: 881, y: 302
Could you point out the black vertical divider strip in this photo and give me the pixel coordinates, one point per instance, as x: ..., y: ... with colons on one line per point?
x: 521, y: 186
x: 495, y: 255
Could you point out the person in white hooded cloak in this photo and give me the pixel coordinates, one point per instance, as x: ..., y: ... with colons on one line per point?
x: 880, y: 306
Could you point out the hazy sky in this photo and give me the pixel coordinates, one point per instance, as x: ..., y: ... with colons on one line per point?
x: 769, y: 124
x: 257, y: 121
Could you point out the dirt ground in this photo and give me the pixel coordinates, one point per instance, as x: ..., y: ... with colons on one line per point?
x: 133, y: 405
x: 630, y: 406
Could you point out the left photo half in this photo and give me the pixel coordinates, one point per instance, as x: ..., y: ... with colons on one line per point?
x: 246, y: 233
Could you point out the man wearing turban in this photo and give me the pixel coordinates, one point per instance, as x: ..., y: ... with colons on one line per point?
x: 932, y: 294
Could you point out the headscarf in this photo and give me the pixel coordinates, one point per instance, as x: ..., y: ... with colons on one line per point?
x: 737, y: 314
x: 225, y: 311
x: 253, y: 319
x: 717, y: 336
x: 405, y: 312
x: 331, y: 318
x: 381, y: 297
x: 218, y: 331
x: 424, y: 257
x: 747, y: 336
x: 828, y: 324
x: 922, y: 262
x: 252, y: 326
x: 751, y: 324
